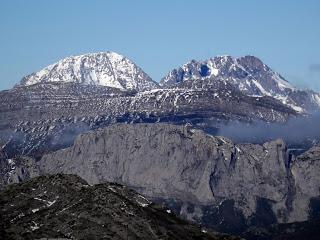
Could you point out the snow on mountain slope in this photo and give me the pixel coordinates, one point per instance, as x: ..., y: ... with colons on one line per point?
x: 105, y: 68
x: 249, y: 75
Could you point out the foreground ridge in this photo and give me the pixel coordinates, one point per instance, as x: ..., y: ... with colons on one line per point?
x: 65, y: 206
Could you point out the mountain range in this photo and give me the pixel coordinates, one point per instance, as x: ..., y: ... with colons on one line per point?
x: 247, y: 74
x: 101, y: 117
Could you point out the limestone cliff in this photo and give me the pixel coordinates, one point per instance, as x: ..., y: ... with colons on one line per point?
x: 204, y: 178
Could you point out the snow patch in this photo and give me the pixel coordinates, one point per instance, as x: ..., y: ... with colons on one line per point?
x: 144, y: 203
x: 316, y: 98
x: 47, y: 202
x: 35, y: 226
x: 35, y: 210
x: 238, y: 149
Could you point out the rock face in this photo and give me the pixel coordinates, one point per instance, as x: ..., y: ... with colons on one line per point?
x: 65, y: 206
x: 206, y: 179
x: 305, y: 170
x: 105, y: 68
x: 247, y: 74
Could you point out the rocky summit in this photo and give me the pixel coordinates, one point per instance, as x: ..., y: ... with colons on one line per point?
x: 67, y: 207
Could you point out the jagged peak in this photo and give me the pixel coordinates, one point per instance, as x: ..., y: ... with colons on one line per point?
x: 248, y: 64
x: 227, y: 58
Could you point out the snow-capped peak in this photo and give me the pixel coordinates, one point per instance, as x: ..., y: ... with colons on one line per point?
x: 247, y: 73
x: 105, y: 68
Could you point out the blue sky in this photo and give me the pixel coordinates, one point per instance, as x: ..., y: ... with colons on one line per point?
x: 161, y: 35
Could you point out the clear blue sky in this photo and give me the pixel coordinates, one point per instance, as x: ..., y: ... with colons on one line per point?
x: 161, y: 35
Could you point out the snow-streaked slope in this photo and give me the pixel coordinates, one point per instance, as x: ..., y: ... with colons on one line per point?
x: 247, y: 74
x: 45, y: 117
x: 105, y: 68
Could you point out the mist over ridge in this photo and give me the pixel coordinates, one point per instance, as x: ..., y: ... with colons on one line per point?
x: 297, y: 130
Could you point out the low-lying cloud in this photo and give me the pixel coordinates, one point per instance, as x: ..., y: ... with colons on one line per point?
x: 296, y: 130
